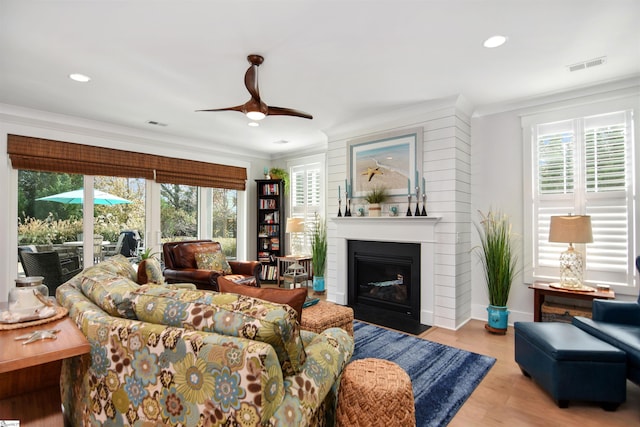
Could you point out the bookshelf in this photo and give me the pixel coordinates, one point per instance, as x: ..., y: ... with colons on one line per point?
x: 271, y: 224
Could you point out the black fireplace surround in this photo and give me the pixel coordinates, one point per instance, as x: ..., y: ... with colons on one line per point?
x: 384, y: 283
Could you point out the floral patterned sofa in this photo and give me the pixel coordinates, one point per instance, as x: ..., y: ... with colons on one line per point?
x: 175, y: 355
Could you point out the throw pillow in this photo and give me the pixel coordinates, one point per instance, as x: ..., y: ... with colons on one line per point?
x: 225, y: 314
x: 294, y: 298
x: 111, y: 293
x: 150, y: 271
x: 215, y: 261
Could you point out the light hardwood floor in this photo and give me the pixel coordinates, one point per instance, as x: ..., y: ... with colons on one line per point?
x: 505, y: 397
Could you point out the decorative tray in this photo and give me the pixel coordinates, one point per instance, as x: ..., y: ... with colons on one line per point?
x: 581, y: 288
x: 47, y: 314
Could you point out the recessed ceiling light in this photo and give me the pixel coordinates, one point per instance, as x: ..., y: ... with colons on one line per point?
x: 494, y: 41
x: 79, y: 77
x: 253, y: 124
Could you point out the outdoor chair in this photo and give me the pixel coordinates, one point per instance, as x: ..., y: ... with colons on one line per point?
x: 97, y: 248
x: 127, y: 245
x: 47, y: 265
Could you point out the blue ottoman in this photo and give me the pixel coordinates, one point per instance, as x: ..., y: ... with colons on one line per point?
x: 570, y: 364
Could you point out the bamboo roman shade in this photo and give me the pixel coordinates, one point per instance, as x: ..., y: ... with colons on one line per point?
x: 66, y: 157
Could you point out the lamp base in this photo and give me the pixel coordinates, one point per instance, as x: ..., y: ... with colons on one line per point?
x: 571, y: 268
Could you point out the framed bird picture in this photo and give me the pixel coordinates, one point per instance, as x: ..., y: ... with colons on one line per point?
x: 392, y: 160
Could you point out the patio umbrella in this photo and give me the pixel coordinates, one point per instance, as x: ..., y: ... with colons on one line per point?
x: 77, y: 197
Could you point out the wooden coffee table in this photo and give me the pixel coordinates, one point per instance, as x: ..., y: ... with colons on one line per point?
x: 542, y: 289
x: 30, y: 374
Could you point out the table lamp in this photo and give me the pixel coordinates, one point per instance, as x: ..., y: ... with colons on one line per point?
x: 571, y: 229
x: 295, y: 226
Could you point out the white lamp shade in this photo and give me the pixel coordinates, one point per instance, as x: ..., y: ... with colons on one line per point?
x: 295, y: 225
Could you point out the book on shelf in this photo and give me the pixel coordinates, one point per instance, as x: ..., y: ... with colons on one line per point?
x: 270, y: 189
x: 268, y: 204
x: 269, y: 272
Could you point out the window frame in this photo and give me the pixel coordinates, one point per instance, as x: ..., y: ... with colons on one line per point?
x: 532, y: 270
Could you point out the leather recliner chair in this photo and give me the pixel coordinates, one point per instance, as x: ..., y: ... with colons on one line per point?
x: 181, y: 267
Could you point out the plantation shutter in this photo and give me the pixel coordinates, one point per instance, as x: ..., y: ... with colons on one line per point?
x: 583, y: 166
x: 306, y: 198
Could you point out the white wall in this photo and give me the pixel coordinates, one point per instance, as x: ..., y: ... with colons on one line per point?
x: 496, y: 176
x: 21, y: 121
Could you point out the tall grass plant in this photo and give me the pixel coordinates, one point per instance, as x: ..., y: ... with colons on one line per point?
x: 497, y: 255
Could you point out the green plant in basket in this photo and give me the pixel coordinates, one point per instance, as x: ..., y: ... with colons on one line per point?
x: 377, y: 195
x: 279, y: 173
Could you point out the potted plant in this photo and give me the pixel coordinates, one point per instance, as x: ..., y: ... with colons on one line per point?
x: 499, y: 261
x: 279, y: 173
x: 375, y: 197
x: 319, y: 255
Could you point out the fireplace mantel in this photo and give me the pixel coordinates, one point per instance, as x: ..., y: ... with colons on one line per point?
x: 405, y: 229
x: 415, y: 229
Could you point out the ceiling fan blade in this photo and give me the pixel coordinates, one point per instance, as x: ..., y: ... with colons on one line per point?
x: 281, y: 111
x: 236, y: 108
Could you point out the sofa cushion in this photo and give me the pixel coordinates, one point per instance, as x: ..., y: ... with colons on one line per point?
x: 294, y: 298
x: 624, y: 337
x: 150, y: 271
x: 213, y: 261
x: 185, y: 253
x: 225, y: 314
x: 110, y: 292
x: 118, y: 265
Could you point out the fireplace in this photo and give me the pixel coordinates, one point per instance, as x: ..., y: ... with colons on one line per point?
x: 401, y: 229
x: 384, y: 283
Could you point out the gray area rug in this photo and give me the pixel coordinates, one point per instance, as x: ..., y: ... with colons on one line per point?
x: 443, y: 377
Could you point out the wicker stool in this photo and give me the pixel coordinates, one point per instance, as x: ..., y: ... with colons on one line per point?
x: 325, y: 315
x: 375, y: 392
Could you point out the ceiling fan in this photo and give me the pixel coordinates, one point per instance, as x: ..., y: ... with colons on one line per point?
x: 255, y: 108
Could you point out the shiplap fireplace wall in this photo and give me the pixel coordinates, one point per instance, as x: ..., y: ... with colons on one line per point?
x: 446, y: 165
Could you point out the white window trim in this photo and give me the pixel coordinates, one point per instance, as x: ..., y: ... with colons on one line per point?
x: 630, y: 102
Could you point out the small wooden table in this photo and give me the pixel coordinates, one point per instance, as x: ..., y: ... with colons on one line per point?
x: 541, y: 289
x: 30, y: 374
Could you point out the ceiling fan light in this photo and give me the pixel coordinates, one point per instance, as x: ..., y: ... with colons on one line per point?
x: 255, y: 115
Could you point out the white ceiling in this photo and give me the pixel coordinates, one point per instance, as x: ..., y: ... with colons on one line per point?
x: 337, y: 60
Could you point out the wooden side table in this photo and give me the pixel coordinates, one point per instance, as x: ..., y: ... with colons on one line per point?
x: 542, y: 289
x: 30, y: 374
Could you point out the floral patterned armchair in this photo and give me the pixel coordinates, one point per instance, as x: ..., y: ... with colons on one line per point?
x: 165, y: 355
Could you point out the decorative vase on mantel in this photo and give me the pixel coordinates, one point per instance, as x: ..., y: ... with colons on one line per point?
x: 375, y: 209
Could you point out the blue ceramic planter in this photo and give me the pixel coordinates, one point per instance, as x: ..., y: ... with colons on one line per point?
x: 318, y: 284
x: 498, y: 317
